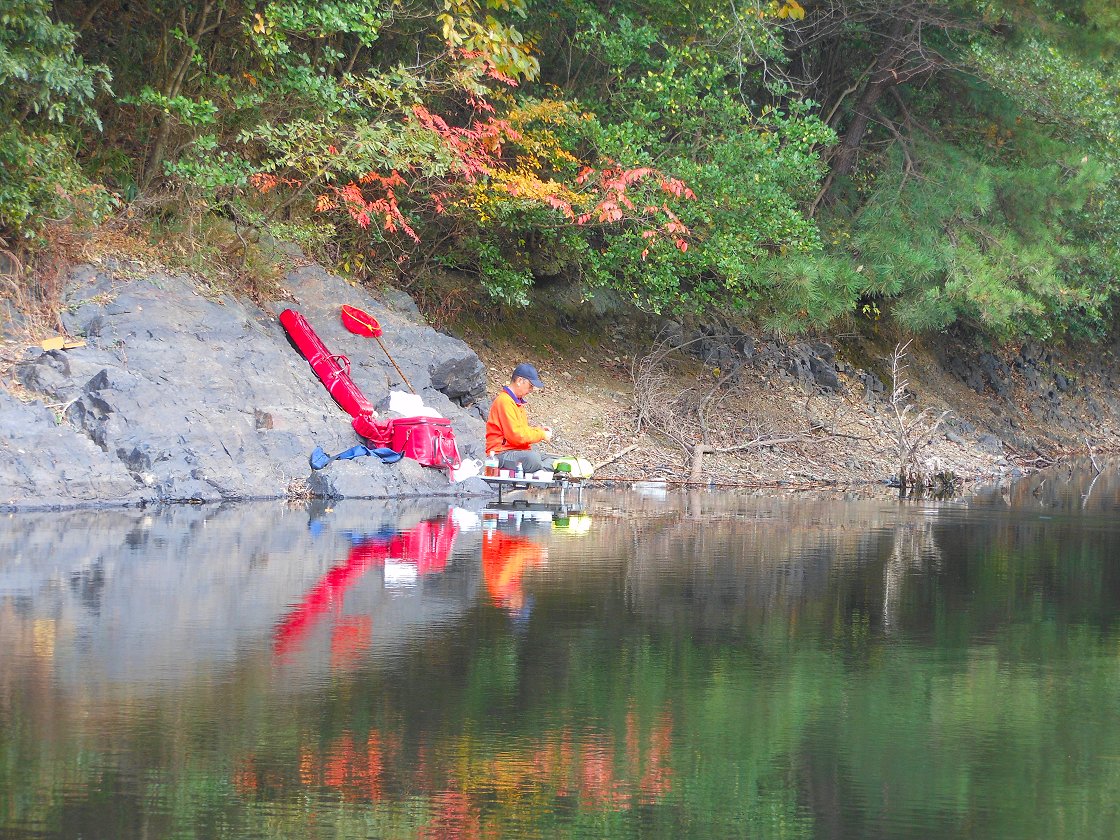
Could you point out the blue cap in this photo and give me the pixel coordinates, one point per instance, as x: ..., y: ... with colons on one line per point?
x: 527, y: 371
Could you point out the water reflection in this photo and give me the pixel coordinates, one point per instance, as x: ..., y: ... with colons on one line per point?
x: 403, y: 558
x: 687, y: 665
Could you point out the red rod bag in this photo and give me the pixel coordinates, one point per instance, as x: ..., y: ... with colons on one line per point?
x: 332, y: 370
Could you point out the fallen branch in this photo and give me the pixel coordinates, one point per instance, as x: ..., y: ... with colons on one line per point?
x: 611, y: 459
x: 848, y: 437
x: 775, y: 484
x: 756, y: 443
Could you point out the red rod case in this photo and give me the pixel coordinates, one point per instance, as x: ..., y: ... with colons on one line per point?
x: 332, y: 370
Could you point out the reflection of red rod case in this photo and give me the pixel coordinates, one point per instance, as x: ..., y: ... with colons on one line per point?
x: 332, y: 370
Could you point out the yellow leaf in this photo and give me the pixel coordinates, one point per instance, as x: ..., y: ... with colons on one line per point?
x: 55, y: 342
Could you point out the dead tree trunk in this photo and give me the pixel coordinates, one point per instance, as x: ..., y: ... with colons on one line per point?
x: 697, y: 473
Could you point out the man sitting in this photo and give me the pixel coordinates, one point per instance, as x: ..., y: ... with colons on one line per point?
x: 508, y: 433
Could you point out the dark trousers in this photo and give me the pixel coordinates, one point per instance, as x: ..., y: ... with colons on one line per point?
x: 531, y: 460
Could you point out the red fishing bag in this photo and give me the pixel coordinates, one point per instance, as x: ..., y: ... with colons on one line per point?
x: 428, y: 440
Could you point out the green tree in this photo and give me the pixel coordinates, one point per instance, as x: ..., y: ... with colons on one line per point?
x: 46, y: 91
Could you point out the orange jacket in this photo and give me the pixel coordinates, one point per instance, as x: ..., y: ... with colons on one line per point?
x: 508, y: 425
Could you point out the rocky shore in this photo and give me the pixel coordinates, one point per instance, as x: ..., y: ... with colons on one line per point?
x: 180, y: 395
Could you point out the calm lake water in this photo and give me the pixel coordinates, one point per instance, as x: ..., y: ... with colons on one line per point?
x: 661, y: 665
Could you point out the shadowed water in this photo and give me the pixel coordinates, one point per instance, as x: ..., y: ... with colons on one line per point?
x: 657, y: 665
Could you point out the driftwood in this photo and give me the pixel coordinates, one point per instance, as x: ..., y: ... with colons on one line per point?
x: 751, y: 485
x: 611, y: 459
x: 1097, y: 468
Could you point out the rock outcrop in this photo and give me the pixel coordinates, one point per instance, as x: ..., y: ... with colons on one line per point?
x: 179, y: 396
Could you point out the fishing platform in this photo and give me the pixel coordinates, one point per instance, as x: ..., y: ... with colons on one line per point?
x: 502, y: 484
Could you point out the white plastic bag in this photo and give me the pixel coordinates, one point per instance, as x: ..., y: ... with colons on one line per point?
x: 410, y: 405
x: 468, y: 469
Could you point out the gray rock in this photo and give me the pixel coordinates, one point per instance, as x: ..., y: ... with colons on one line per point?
x: 672, y: 332
x: 808, y: 365
x: 745, y: 345
x: 824, y: 351
x: 997, y: 373
x: 461, y: 378
x: 178, y: 396
x: 48, y: 465
x: 402, y: 302
x: 965, y: 370
x: 1032, y: 352
x: 989, y: 443
x: 872, y: 384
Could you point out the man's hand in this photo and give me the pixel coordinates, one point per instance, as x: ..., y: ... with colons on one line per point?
x: 547, y: 433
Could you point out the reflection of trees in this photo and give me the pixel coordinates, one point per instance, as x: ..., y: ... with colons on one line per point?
x: 473, y: 787
x: 728, y: 674
x: 915, y: 548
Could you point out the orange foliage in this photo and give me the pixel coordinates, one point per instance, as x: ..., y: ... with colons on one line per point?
x: 495, y: 159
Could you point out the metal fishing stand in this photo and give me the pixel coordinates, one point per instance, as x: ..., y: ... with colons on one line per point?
x: 503, y: 484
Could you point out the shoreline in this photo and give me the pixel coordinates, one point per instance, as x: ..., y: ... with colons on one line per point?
x: 176, y: 396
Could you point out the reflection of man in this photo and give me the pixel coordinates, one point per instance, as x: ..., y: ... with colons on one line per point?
x: 505, y: 558
x: 508, y: 433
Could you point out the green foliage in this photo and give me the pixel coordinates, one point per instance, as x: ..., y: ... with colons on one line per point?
x: 659, y: 101
x: 209, y: 168
x: 281, y: 28
x: 499, y: 277
x: 44, y: 84
x: 1076, y: 97
x: 995, y: 220
x: 40, y: 182
x: 678, y: 153
x: 188, y: 111
x: 40, y: 72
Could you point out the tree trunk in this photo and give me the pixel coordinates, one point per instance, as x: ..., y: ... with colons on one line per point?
x: 845, y: 160
x: 883, y: 78
x: 697, y: 473
x: 172, y: 88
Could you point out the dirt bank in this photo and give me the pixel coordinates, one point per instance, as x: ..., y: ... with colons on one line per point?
x: 825, y: 410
